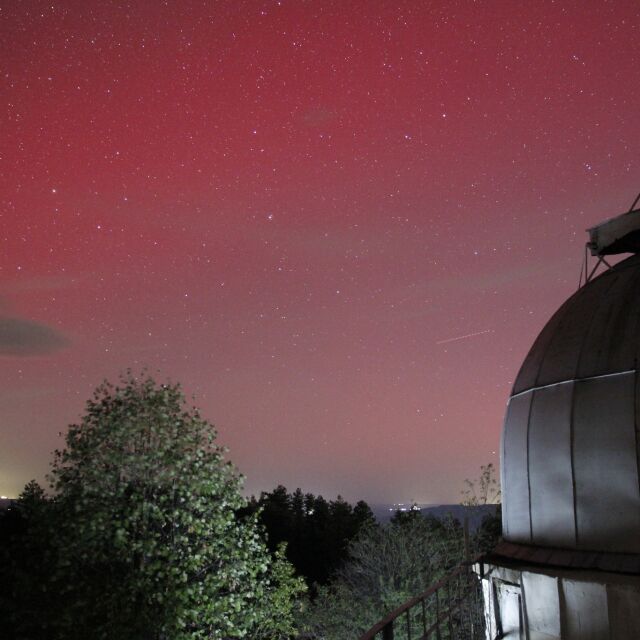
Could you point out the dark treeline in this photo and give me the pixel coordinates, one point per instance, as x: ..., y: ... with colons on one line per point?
x: 317, y: 531
x: 357, y: 568
x: 145, y: 535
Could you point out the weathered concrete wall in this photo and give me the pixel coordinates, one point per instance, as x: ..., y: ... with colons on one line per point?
x: 538, y: 604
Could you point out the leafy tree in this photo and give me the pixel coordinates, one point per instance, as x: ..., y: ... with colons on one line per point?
x: 484, y: 490
x: 387, y: 565
x: 150, y: 544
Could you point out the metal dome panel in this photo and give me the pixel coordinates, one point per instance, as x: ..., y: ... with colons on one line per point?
x: 606, y: 464
x: 570, y: 467
x: 528, y: 375
x: 549, y: 473
x: 516, y: 511
x: 611, y: 344
x: 562, y: 357
x: 593, y: 333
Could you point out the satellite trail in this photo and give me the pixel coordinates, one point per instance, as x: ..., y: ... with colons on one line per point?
x: 468, y: 335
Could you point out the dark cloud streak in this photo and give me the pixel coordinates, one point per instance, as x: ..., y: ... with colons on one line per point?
x: 25, y: 338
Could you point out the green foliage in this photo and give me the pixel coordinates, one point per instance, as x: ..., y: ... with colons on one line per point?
x: 484, y: 490
x: 387, y: 565
x: 148, y: 540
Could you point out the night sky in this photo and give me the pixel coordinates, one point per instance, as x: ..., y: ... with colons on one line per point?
x: 339, y: 224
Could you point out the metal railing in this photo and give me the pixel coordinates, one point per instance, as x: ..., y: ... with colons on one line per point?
x: 451, y: 609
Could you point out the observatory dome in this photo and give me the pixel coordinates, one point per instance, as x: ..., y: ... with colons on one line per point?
x: 570, y: 444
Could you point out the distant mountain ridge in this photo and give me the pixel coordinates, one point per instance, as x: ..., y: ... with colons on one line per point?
x: 385, y: 512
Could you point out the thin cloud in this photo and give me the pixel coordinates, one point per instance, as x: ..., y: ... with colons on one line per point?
x: 40, y: 283
x: 24, y: 338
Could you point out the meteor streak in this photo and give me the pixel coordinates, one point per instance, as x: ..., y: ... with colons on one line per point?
x: 468, y: 335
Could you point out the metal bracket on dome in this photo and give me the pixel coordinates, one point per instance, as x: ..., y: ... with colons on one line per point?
x: 584, y: 271
x: 616, y: 235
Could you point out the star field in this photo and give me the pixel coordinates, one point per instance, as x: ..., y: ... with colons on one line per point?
x: 339, y: 225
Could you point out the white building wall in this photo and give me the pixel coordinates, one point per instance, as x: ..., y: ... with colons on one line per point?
x: 533, y: 604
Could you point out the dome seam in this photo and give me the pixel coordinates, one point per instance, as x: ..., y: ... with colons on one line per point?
x: 572, y: 380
